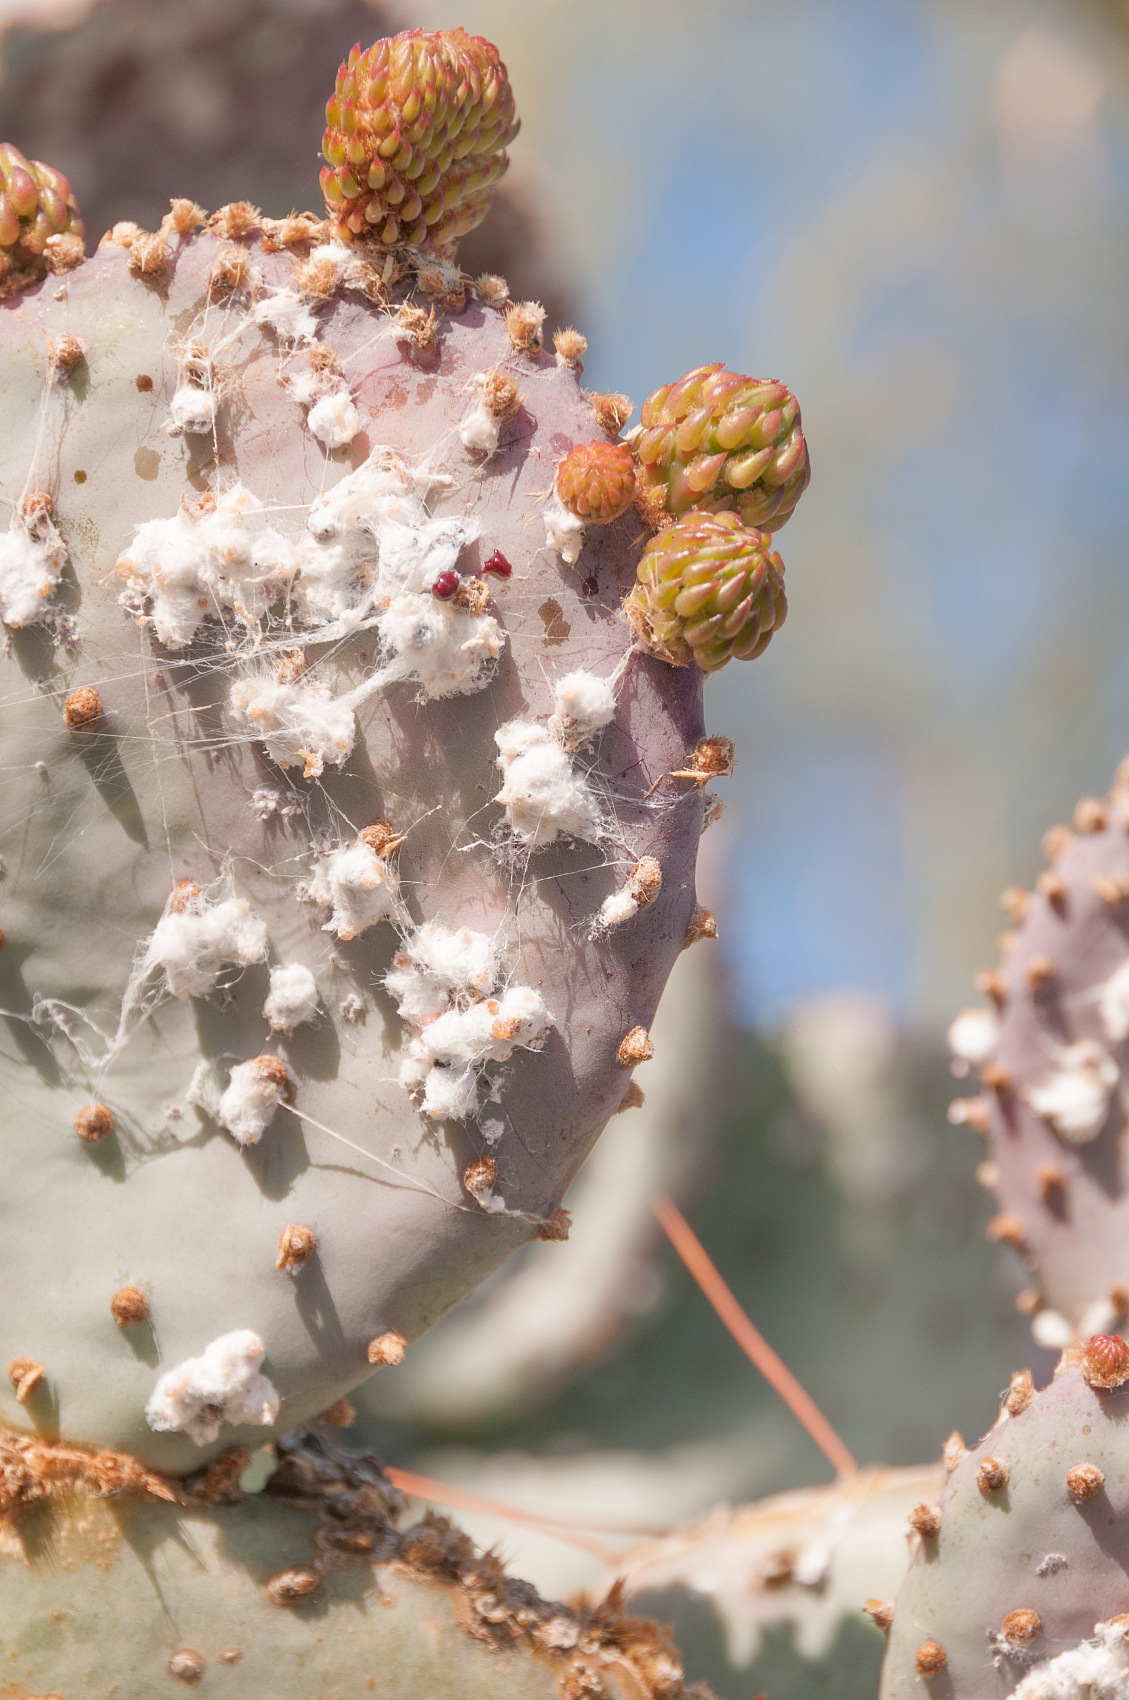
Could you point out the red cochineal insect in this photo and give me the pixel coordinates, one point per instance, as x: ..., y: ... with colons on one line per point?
x: 498, y: 564
x: 445, y: 586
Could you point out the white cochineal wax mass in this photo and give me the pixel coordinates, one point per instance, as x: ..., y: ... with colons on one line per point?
x: 334, y: 420
x: 301, y: 723
x: 441, y: 980
x: 293, y: 997
x: 1093, y: 1670
x: 285, y: 313
x: 437, y: 967
x: 361, y: 886
x: 564, y: 531
x: 1113, y: 1005
x: 219, y: 558
x: 255, y: 1092
x: 446, y: 1057
x: 32, y: 558
x: 582, y: 705
x: 1075, y: 1098
x: 543, y: 796
x: 196, y: 939
x: 224, y: 1385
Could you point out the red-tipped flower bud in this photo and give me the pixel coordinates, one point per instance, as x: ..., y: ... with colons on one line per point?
x: 35, y: 204
x: 596, y: 481
x: 418, y: 128
x: 1106, y: 1363
x: 710, y: 589
x: 718, y: 440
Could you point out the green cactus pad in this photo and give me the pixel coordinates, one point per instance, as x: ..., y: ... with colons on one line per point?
x: 1030, y: 1554
x: 315, y: 1585
x: 298, y: 862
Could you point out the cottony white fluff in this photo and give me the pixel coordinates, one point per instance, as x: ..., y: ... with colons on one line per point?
x: 445, y: 649
x: 1051, y: 1330
x: 32, y: 558
x: 479, y: 430
x: 223, y: 1385
x: 1075, y: 1100
x: 564, y: 531
x: 251, y: 1100
x: 450, y: 1050
x: 334, y: 420
x: 1113, y: 1005
x: 582, y: 704
x: 300, y: 723
x: 371, y: 558
x: 192, y: 412
x: 1093, y: 1670
x: 194, y: 945
x: 974, y: 1036
x: 361, y: 886
x: 544, y: 798
x: 641, y: 887
x: 293, y: 997
x: 287, y: 315
x: 438, y: 967
x: 223, y: 561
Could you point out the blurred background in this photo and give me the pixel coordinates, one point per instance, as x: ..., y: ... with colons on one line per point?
x: 916, y: 213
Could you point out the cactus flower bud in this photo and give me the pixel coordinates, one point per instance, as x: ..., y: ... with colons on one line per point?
x: 36, y: 204
x: 717, y: 440
x: 417, y: 131
x: 1106, y: 1363
x: 596, y: 481
x: 709, y: 589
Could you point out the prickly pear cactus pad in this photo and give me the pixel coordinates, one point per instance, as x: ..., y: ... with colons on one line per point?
x: 1052, y: 1047
x: 315, y: 1585
x: 322, y: 767
x: 1017, y: 1585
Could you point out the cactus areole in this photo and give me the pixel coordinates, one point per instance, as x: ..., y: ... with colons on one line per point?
x: 348, y: 834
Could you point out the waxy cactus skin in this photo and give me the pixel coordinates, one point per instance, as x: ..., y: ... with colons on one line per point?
x: 1051, y: 1045
x: 313, y: 1016
x: 1017, y: 1576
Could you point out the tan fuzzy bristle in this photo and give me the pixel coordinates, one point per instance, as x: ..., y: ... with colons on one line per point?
x: 387, y: 1348
x: 991, y: 983
x: 524, y: 320
x: 926, y: 1519
x: 183, y: 217
x: 236, y: 219
x: 1008, y: 1229
x: 1020, y: 1394
x: 635, y: 1047
x: 1090, y: 815
x: 992, y: 1475
x: 129, y: 1306
x: 612, y: 410
x: 555, y: 1227
x: 930, y: 1658
x: 570, y: 348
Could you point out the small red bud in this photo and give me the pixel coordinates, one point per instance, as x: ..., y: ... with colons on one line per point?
x: 498, y: 564
x: 1106, y: 1363
x: 445, y: 586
